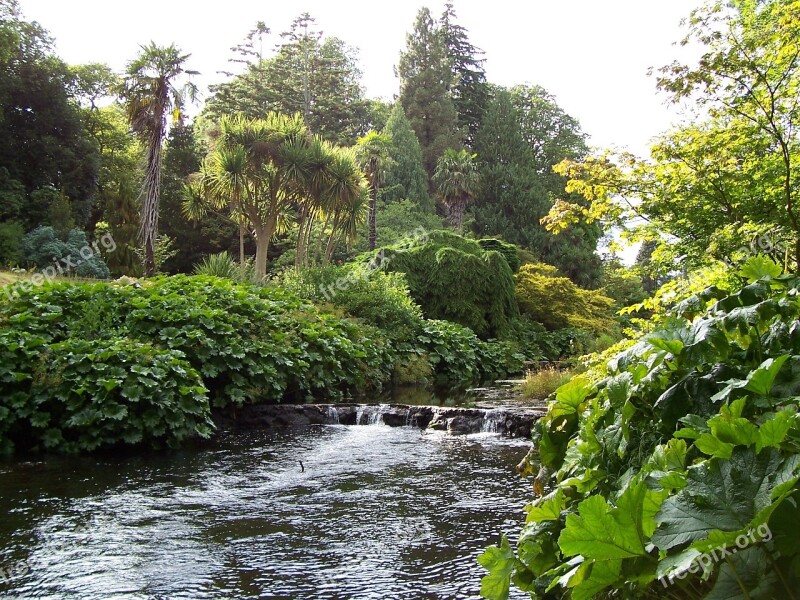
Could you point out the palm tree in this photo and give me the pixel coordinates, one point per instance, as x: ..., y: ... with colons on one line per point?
x: 258, y: 168
x: 372, y: 151
x: 151, y: 92
x: 456, y: 179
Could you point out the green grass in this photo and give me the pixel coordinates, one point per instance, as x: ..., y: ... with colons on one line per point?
x: 540, y: 384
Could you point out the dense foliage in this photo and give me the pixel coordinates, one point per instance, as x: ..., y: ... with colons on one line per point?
x: 428, y: 351
x: 453, y: 278
x: 553, y: 300
x: 248, y: 345
x: 681, y: 445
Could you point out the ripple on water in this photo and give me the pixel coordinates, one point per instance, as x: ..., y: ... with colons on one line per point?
x: 377, y: 512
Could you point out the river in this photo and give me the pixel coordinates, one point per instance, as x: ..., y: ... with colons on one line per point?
x: 323, y: 512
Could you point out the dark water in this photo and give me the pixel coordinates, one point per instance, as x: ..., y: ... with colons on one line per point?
x: 378, y: 512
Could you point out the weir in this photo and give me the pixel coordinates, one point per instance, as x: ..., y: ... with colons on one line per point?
x: 511, y: 421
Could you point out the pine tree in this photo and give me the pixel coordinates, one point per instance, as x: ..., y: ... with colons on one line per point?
x: 309, y: 74
x: 406, y: 178
x: 470, y: 91
x: 510, y: 201
x: 425, y: 81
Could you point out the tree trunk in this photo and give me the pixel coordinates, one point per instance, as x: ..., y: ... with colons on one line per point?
x: 455, y: 214
x: 241, y: 244
x: 262, y: 249
x: 151, y: 190
x: 373, y: 217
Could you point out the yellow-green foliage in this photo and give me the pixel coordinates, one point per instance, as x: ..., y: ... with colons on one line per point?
x: 556, y: 302
x: 540, y: 384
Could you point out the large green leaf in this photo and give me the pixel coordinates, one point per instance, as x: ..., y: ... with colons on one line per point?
x: 726, y: 495
x: 601, y: 532
x: 500, y: 562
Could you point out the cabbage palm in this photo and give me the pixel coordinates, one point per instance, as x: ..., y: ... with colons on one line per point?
x: 258, y: 168
x: 372, y: 151
x: 151, y: 92
x: 456, y: 179
x: 345, y: 198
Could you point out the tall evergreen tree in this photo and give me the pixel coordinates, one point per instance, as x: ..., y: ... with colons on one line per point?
x: 425, y: 81
x: 470, y: 91
x: 309, y: 74
x: 510, y: 200
x: 516, y: 192
x: 406, y: 178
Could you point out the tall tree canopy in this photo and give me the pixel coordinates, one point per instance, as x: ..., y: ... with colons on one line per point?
x: 308, y: 73
x: 426, y: 77
x: 523, y: 135
x: 469, y: 89
x: 45, y: 151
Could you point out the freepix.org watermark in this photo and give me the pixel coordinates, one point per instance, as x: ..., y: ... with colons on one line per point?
x: 12, y: 570
x: 707, y: 560
x: 381, y: 260
x: 63, y: 266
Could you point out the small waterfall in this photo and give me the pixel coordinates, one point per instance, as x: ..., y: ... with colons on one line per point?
x: 492, y: 421
x: 333, y: 415
x: 376, y: 414
x: 371, y: 415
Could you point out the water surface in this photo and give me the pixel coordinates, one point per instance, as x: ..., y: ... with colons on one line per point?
x: 374, y: 512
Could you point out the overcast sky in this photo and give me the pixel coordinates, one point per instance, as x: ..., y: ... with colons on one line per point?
x: 593, y: 56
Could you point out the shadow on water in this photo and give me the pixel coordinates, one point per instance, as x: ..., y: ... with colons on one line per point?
x: 377, y: 512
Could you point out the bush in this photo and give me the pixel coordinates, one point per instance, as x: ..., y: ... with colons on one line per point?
x: 540, y: 384
x: 248, y: 344
x: 78, y: 395
x: 43, y: 249
x: 223, y: 265
x: 683, y: 444
x: 453, y: 279
x: 380, y: 299
x: 509, y: 251
x: 453, y: 353
x: 557, y: 303
x: 11, y: 234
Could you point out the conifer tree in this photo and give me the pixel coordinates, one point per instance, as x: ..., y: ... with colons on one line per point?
x: 406, y: 177
x: 425, y: 81
x: 470, y: 91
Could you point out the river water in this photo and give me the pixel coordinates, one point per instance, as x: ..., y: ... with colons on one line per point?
x: 373, y: 512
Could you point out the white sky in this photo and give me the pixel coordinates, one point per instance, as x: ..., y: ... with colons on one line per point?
x: 592, y: 55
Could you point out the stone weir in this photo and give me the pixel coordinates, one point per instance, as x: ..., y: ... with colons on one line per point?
x: 513, y: 421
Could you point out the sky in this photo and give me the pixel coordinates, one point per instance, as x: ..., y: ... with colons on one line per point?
x: 592, y: 56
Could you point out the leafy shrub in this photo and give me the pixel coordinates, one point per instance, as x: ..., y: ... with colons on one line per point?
x: 43, y: 249
x: 248, y: 344
x: 223, y: 265
x: 454, y: 353
x: 681, y: 445
x: 453, y: 279
x: 380, y: 299
x: 458, y: 355
x: 557, y: 303
x: 78, y: 395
